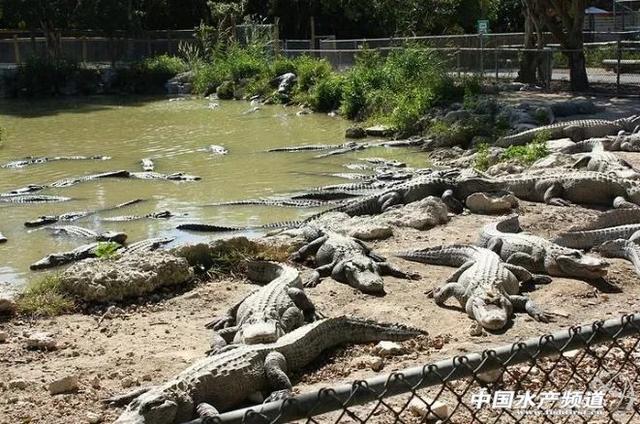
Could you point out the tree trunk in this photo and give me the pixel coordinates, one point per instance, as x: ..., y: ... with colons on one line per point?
x: 578, y: 70
x: 527, y: 72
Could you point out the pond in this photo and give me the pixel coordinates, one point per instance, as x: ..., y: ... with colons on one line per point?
x: 173, y: 134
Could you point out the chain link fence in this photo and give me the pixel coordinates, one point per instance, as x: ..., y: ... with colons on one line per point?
x: 584, y: 374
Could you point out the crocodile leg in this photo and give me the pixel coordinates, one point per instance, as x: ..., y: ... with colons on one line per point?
x: 495, y: 244
x: 442, y: 294
x: 275, y: 368
x: 553, y: 196
x: 122, y: 400
x: 525, y: 276
x: 227, y: 319
x: 302, y: 302
x: 458, y: 272
x: 451, y: 202
x: 222, y: 338
x: 583, y: 162
x: 291, y: 319
x: 207, y: 412
x: 388, y: 200
x: 523, y: 303
x: 386, y: 268
x: 635, y: 237
x: 309, y: 249
x: 318, y: 273
x: 622, y: 203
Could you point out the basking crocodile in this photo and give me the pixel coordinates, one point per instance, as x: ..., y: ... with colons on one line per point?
x: 308, y: 147
x: 289, y: 203
x: 40, y: 160
x: 126, y: 218
x: 211, y: 228
x: 62, y: 258
x: 611, y: 225
x: 621, y: 248
x: 148, y: 245
x: 73, y: 216
x: 484, y: 285
x: 225, y: 380
x: 626, y: 142
x: 575, y: 130
x: 601, y: 161
x: 75, y: 231
x: 32, y: 198
x: 267, y: 313
x: 537, y: 254
x: 68, y: 182
x: 347, y: 148
x: 346, y: 260
x: 3, y: 239
x: 176, y: 176
x: 385, y: 162
x: 147, y: 165
x: 565, y: 188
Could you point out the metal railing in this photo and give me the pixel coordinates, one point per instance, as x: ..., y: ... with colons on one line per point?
x: 588, y: 373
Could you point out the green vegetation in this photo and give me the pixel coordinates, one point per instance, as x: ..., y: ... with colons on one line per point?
x: 49, y: 77
x: 106, y: 250
x: 482, y: 160
x: 149, y: 75
x: 44, y: 297
x: 528, y: 153
x: 595, y: 56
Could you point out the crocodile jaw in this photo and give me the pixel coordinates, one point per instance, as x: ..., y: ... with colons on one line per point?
x: 149, y: 408
x: 583, y: 267
x: 261, y: 332
x: 366, y: 281
x: 491, y: 314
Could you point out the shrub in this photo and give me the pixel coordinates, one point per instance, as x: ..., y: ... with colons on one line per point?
x: 244, y: 63
x: 149, y: 75
x: 44, y: 297
x: 481, y: 161
x: 106, y: 250
x: 326, y: 95
x: 526, y: 154
x: 310, y: 71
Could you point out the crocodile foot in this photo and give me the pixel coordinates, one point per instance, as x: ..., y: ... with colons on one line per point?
x: 278, y: 395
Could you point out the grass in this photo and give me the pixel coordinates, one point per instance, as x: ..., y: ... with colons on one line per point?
x: 526, y: 154
x: 481, y: 160
x: 106, y: 250
x: 44, y: 297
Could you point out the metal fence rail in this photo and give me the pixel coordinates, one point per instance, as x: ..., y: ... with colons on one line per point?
x: 588, y: 373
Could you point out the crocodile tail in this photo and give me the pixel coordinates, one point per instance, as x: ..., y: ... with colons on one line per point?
x: 448, y: 255
x: 621, y: 248
x: 207, y: 228
x: 612, y: 218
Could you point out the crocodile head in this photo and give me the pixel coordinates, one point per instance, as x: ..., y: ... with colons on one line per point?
x: 260, y: 330
x: 576, y: 264
x: 153, y: 407
x: 361, y: 273
x: 491, y: 309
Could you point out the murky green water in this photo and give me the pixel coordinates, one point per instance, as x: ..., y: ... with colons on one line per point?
x: 172, y: 134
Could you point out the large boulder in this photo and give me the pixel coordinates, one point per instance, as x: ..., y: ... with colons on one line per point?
x: 130, y: 275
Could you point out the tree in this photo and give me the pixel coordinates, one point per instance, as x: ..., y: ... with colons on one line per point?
x: 565, y: 20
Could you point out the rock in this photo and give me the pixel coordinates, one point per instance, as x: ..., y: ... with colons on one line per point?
x: 475, y: 330
x: 554, y: 160
x: 371, y: 231
x: 423, y: 214
x: 386, y: 348
x: 355, y: 132
x: 7, y: 305
x: 128, y: 382
x: 41, y: 341
x: 379, y: 131
x: 225, y: 90
x: 456, y: 115
x: 93, y: 418
x: 64, y: 385
x: 504, y: 168
x: 4, y: 336
x: 18, y: 384
x: 428, y: 409
x: 181, y: 84
x: 490, y: 376
x: 485, y: 203
x: 560, y: 144
x: 130, y: 275
x: 285, y: 83
x: 579, y: 105
x: 571, y: 353
x: 374, y: 363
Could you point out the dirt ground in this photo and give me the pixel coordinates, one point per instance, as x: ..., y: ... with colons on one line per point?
x: 146, y: 345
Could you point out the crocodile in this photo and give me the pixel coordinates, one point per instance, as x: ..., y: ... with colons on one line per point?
x: 31, y: 188
x: 211, y: 228
x: 601, y: 161
x: 73, y: 216
x: 267, y: 313
x: 63, y: 258
x: 348, y: 148
x: 626, y: 142
x: 537, y: 254
x: 21, y: 163
x: 217, y: 150
x: 329, y: 195
x: 33, y: 198
x: 611, y: 225
x: 308, y: 147
x: 176, y: 176
x: 223, y: 381
x: 68, y: 182
x: 3, y: 239
x: 575, y: 130
x: 126, y: 218
x: 621, y: 248
x: 147, y: 165
x: 346, y: 260
x: 74, y: 231
x: 486, y: 287
x: 148, y: 245
x: 385, y: 162
x: 565, y: 188
x: 289, y: 203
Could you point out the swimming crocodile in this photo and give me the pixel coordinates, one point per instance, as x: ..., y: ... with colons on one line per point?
x: 346, y: 260
x: 147, y: 165
x: 269, y: 312
x: 31, y: 188
x: 74, y: 231
x: 289, y: 203
x: 33, y: 198
x: 176, y: 176
x: 226, y: 379
x: 385, y: 162
x: 68, y: 182
x: 611, y: 225
x: 147, y: 245
x: 217, y: 150
x: 347, y: 148
x: 537, y: 254
x: 486, y: 287
x: 126, y: 218
x: 621, y: 248
x: 565, y: 188
x: 63, y: 258
x: 40, y: 160
x: 308, y: 147
x: 575, y: 130
x: 73, y: 216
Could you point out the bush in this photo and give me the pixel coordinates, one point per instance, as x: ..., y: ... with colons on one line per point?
x: 44, y: 297
x: 106, y: 250
x: 311, y: 71
x: 481, y: 160
x: 149, y: 75
x: 327, y: 94
x: 526, y: 154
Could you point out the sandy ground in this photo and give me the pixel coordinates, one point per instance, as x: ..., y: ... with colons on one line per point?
x: 147, y: 344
